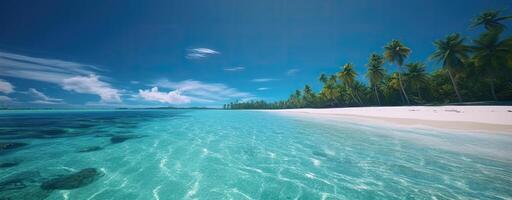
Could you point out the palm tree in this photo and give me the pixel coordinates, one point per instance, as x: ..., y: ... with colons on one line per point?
x: 492, y: 55
x: 396, y: 52
x: 323, y: 78
x: 295, y: 99
x: 323, y: 93
x: 308, y: 97
x: 452, y: 52
x: 491, y: 20
x: 330, y: 90
x: 348, y: 75
x: 392, y: 85
x: 376, y: 72
x: 417, y: 75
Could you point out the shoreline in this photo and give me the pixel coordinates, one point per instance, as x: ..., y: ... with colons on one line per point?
x: 487, y: 119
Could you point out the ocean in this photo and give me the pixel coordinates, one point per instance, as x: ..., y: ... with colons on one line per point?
x: 219, y: 154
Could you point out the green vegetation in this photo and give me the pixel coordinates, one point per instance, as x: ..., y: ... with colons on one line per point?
x: 479, y: 70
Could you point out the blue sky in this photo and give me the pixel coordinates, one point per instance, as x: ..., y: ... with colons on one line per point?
x: 204, y: 53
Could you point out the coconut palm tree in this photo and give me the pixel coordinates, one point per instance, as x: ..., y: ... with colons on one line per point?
x: 328, y: 93
x: 308, y: 97
x: 452, y: 52
x: 323, y: 78
x: 417, y: 76
x: 491, y: 20
x: 331, y: 91
x: 396, y: 52
x: 391, y: 86
x: 492, y: 55
x: 376, y: 72
x: 348, y: 75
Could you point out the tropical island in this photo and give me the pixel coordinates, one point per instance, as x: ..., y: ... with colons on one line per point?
x: 472, y: 70
x: 469, y: 92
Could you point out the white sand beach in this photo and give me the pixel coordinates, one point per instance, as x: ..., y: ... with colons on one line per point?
x: 494, y: 119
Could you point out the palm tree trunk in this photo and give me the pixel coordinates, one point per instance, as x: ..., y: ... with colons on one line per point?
x: 402, y: 85
x: 353, y: 96
x: 358, y: 98
x: 454, y: 86
x: 419, y: 91
x: 493, y: 92
x: 376, y: 94
x: 401, y: 96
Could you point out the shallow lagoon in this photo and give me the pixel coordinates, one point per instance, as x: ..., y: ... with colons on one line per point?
x: 215, y: 154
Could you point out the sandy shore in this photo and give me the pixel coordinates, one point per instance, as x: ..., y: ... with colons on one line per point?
x: 495, y: 119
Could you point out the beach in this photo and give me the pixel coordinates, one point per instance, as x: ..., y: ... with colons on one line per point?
x: 493, y: 119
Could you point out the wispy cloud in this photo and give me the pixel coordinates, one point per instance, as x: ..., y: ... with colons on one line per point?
x: 41, y: 98
x: 263, y: 79
x: 5, y: 99
x: 71, y: 76
x: 197, y: 91
x: 6, y: 87
x: 199, y: 53
x: 234, y: 69
x: 263, y: 88
x: 134, y: 82
x: 173, y: 97
x: 292, y: 72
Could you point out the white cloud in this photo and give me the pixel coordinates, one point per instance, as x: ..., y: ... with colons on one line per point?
x: 70, y: 76
x: 199, y: 53
x: 6, y: 87
x: 263, y: 88
x: 173, y: 97
x: 92, y: 85
x: 234, y: 69
x: 292, y: 72
x: 5, y: 99
x: 263, y: 79
x: 198, y: 91
x: 205, y: 51
x: 42, y: 98
x: 134, y: 82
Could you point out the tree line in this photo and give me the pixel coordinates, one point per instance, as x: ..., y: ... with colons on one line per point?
x: 478, y: 70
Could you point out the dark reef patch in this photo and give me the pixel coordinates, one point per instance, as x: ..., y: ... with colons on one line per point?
x: 72, y: 181
x: 90, y: 149
x: 6, y: 146
x: 23, y: 186
x: 30, y: 192
x: 121, y: 138
x: 50, y: 133
x: 320, y: 154
x: 105, y: 135
x: 19, y: 180
x: 8, y: 164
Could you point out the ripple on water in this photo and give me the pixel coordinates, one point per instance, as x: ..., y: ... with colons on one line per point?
x: 243, y: 155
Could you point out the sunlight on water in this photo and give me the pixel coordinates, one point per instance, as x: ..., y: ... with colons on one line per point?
x: 194, y: 154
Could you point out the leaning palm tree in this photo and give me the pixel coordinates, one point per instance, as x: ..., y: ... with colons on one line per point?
x: 491, y: 20
x: 417, y: 76
x: 348, y: 75
x: 376, y: 72
x: 492, y: 55
x: 396, y: 52
x: 452, y: 52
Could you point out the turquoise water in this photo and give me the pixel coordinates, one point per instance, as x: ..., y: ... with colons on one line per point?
x: 214, y: 154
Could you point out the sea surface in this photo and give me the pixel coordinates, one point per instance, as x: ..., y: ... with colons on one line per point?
x: 216, y: 154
